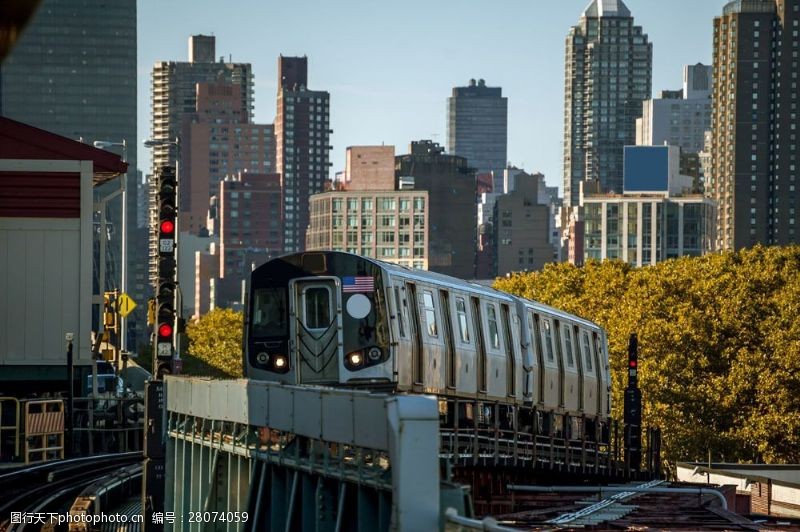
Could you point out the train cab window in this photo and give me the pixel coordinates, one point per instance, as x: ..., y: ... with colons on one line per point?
x: 270, y: 318
x: 461, y: 311
x: 547, y: 338
x: 400, y: 312
x: 587, y: 350
x: 317, y: 307
x: 494, y: 333
x: 430, y: 314
x: 568, y: 345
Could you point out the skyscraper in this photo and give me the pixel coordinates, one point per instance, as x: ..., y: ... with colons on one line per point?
x: 302, y: 133
x: 608, y: 75
x: 477, y: 126
x: 452, y: 217
x: 754, y: 144
x: 174, y: 98
x: 73, y: 72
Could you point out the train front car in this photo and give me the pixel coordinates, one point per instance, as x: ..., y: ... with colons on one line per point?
x: 318, y: 318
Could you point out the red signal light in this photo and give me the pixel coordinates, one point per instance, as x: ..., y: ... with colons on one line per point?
x: 165, y: 330
x: 632, y: 363
x: 167, y: 226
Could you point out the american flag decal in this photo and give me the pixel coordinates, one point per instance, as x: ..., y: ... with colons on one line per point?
x: 358, y: 284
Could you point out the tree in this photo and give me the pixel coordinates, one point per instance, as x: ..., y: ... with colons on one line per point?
x: 719, y: 341
x: 215, y: 344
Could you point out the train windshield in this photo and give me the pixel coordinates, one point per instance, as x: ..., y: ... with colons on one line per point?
x: 270, y: 315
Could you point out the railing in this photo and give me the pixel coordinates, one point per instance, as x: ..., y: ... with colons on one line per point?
x: 44, y: 430
x: 107, y: 425
x: 5, y: 428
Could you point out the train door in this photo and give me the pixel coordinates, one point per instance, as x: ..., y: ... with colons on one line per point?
x: 591, y: 390
x: 449, y: 342
x: 581, y: 364
x: 417, y: 367
x: 552, y: 366
x: 480, y: 343
x: 538, y: 356
x: 317, y: 323
x: 402, y: 360
x: 511, y: 374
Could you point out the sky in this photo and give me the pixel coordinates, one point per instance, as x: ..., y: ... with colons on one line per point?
x: 390, y: 66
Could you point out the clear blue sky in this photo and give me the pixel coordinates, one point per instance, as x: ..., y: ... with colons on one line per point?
x: 390, y: 66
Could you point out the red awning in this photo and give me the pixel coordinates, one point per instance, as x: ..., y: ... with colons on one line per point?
x: 21, y: 141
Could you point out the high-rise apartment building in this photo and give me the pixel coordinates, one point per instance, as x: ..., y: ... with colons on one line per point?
x: 369, y: 216
x: 174, y: 98
x: 608, y: 76
x: 754, y: 142
x: 450, y: 183
x: 522, y: 227
x: 477, y: 126
x: 217, y: 141
x: 679, y: 118
x: 656, y: 217
x: 73, y: 72
x: 302, y: 133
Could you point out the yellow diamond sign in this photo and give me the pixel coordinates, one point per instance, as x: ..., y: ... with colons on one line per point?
x: 125, y: 305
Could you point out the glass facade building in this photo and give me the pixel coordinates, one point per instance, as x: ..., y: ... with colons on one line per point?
x: 608, y: 70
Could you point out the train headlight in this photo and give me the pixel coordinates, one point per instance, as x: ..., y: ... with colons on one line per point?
x: 262, y: 358
x: 355, y: 358
x: 374, y: 354
x: 279, y: 361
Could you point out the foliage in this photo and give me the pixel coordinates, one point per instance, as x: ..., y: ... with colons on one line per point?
x: 719, y: 345
x: 215, y: 345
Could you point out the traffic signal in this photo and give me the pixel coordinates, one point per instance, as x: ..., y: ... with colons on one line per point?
x: 633, y: 361
x: 166, y: 288
x: 167, y: 212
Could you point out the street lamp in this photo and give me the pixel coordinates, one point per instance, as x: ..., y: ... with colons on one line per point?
x: 103, y: 144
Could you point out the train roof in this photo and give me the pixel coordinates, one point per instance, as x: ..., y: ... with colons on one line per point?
x: 459, y: 284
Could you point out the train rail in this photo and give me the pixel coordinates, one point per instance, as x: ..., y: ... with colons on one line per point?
x: 52, y: 487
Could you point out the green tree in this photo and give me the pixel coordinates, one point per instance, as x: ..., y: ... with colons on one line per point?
x: 215, y: 345
x: 719, y: 343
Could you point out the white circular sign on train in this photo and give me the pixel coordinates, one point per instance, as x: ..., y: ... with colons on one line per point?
x: 358, y: 306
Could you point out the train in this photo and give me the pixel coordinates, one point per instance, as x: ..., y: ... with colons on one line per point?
x: 332, y: 318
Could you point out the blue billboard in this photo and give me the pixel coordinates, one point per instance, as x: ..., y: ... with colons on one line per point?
x: 646, y: 169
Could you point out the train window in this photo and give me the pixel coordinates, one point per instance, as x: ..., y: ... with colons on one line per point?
x: 399, y: 310
x: 568, y: 345
x: 532, y: 329
x: 317, y: 307
x: 587, y: 350
x: 270, y: 317
x: 494, y: 334
x: 430, y: 314
x: 547, y: 338
x: 461, y: 310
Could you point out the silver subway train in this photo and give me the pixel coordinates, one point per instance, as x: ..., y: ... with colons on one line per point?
x: 337, y: 319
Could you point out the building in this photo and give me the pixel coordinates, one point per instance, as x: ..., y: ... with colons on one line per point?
x: 608, y: 76
x: 218, y: 141
x: 477, y: 126
x: 657, y: 217
x: 761, y: 489
x: 46, y: 238
x: 369, y: 216
x: 249, y: 218
x: 679, y: 118
x: 754, y: 145
x: 450, y: 183
x: 174, y: 100
x: 522, y: 227
x: 302, y: 133
x: 73, y: 73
